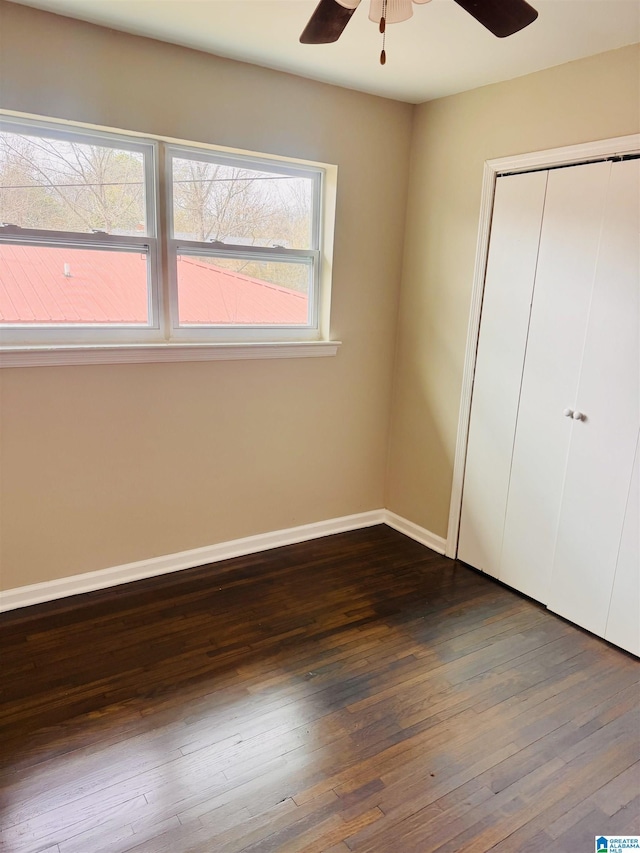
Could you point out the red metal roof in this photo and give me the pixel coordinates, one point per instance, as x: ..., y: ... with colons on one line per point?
x: 211, y: 294
x: 111, y: 287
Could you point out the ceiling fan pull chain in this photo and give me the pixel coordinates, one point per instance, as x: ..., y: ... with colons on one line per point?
x: 383, y: 30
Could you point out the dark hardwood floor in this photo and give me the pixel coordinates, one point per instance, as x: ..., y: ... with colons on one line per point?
x: 355, y: 693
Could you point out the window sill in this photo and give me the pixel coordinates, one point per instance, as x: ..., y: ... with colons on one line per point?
x: 41, y: 356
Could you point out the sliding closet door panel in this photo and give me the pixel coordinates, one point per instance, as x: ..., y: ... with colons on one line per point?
x: 515, y: 235
x: 603, y: 443
x: 623, y: 623
x: 566, y: 264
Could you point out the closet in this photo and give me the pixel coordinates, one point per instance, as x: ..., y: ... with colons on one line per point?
x: 550, y: 498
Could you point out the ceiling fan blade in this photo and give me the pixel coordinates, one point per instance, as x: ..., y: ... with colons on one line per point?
x: 327, y: 22
x: 501, y: 17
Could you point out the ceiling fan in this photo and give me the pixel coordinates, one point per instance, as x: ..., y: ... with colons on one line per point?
x: 501, y: 17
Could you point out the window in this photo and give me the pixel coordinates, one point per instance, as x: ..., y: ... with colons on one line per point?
x: 244, y: 242
x: 78, y: 247
x: 82, y: 234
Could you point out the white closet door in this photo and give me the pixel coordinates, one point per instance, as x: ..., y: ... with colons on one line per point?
x: 603, y: 444
x: 567, y: 259
x: 623, y: 622
x: 511, y: 264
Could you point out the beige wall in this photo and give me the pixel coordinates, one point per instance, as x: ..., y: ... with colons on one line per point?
x: 103, y: 465
x: 582, y: 101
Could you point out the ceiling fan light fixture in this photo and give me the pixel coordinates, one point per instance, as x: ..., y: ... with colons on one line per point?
x: 330, y: 17
x: 396, y: 11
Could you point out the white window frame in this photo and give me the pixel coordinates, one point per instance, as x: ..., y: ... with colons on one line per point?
x: 33, y: 334
x: 163, y: 340
x: 178, y: 247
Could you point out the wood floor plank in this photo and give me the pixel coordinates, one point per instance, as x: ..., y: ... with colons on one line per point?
x: 354, y: 693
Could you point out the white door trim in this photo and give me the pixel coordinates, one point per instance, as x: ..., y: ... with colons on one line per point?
x: 492, y: 168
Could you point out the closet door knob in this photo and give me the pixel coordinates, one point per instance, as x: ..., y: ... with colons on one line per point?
x: 568, y: 413
x: 578, y: 416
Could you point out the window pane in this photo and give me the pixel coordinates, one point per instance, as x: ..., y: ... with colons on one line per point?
x: 58, y: 185
x: 64, y: 286
x: 220, y: 291
x: 243, y: 207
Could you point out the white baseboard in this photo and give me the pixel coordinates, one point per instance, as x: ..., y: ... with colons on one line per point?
x: 414, y: 531
x: 62, y: 587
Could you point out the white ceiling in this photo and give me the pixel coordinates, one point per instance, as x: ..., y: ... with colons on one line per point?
x: 439, y: 51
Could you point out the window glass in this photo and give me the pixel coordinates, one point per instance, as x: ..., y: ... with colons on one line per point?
x: 223, y: 291
x: 66, y: 286
x: 61, y: 185
x: 89, y: 254
x: 220, y: 203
